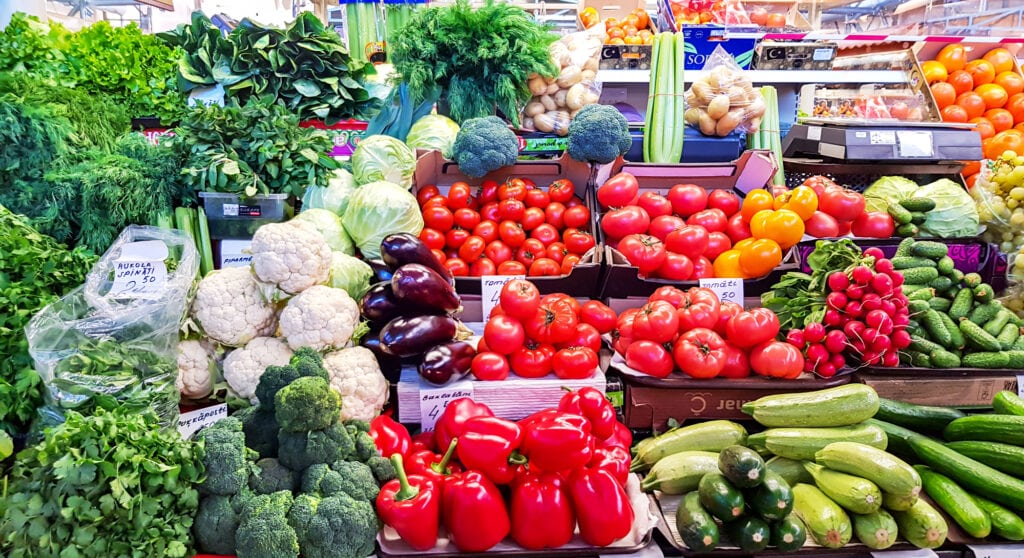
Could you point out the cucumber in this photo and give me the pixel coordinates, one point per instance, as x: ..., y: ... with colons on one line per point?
x: 904, y: 247
x: 956, y: 502
x: 911, y: 289
x: 720, y: 497
x: 751, y: 534
x: 893, y: 502
x: 1005, y: 523
x: 875, y: 530
x: 941, y: 283
x: 946, y: 266
x: 994, y: 326
x: 1018, y: 345
x: 897, y: 437
x: 680, y: 473
x: 944, y: 359
x: 961, y: 304
x: 920, y: 275
x: 791, y: 470
x: 990, y: 360
x: 984, y: 312
x: 972, y: 475
x: 918, y: 218
x: 900, y: 214
x: 910, y: 262
x: 838, y: 406
x: 827, y: 523
x: 789, y: 534
x: 922, y: 525
x: 922, y: 360
x: 978, y: 337
x: 714, y: 435
x: 984, y: 293
x: 696, y: 526
x: 956, y: 338
x: 919, y: 306
x: 1001, y: 457
x: 742, y: 466
x: 972, y: 280
x: 940, y: 304
x: 1008, y: 403
x: 803, y: 443
x: 1008, y: 336
x: 1007, y: 429
x: 918, y: 204
x: 925, y: 294
x: 854, y: 494
x: 936, y: 329
x: 916, y: 417
x: 929, y: 249
x: 1015, y: 358
x: 908, y: 229
x: 923, y: 345
x: 773, y: 500
x: 889, y: 472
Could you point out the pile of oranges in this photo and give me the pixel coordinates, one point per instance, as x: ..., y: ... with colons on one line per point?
x: 987, y: 92
x: 634, y: 29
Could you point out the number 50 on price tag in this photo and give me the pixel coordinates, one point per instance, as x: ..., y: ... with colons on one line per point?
x: 728, y: 290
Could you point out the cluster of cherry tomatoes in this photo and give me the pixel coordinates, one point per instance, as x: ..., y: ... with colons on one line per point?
x: 704, y: 338
x: 513, y: 228
x: 634, y: 29
x: 532, y: 336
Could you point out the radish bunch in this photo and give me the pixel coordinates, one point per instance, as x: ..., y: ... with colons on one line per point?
x: 865, y: 318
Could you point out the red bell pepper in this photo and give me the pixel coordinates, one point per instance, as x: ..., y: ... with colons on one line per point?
x: 614, y: 459
x: 450, y: 423
x: 489, y: 445
x: 621, y: 437
x: 542, y: 515
x: 603, y: 510
x: 592, y: 405
x: 423, y: 441
x: 390, y: 436
x: 433, y: 466
x: 558, y: 442
x: 411, y: 505
x: 474, y: 512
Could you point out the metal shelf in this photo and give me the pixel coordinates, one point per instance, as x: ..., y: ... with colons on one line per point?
x: 768, y: 77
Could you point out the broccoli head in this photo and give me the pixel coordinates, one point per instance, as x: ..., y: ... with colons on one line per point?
x: 360, y: 425
x: 484, y: 145
x: 322, y: 480
x: 304, y: 362
x: 270, y: 476
x: 382, y: 469
x: 215, y: 524
x: 308, y: 362
x: 357, y: 480
x: 334, y: 526
x: 260, y: 428
x: 264, y: 531
x: 598, y: 134
x: 365, y: 446
x: 224, y: 459
x: 307, y: 404
x: 299, y: 450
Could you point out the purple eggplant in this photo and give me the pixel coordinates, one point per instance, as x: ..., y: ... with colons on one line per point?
x: 381, y: 272
x: 404, y: 337
x: 399, y: 249
x: 418, y: 284
x: 447, y: 362
x: 390, y: 365
x: 379, y: 305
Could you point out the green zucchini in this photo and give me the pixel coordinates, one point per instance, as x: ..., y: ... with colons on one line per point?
x: 696, y: 526
x: 897, y: 437
x: 916, y: 417
x: 680, y: 473
x: 827, y: 523
x: 1008, y: 403
x: 990, y: 360
x: 875, y: 530
x: 803, y: 443
x: 789, y: 534
x: 1008, y: 429
x: 714, y: 435
x: 922, y: 525
x: 720, y: 497
x: 893, y: 502
x: 751, y: 534
x: 742, y: 466
x: 972, y: 475
x: 791, y: 470
x: 961, y: 304
x: 1002, y: 457
x: 1005, y: 523
x: 889, y: 472
x: 838, y: 406
x: 978, y: 337
x: 854, y: 494
x: 773, y: 500
x: 956, y: 502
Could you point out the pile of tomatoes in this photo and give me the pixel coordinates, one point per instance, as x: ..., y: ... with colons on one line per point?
x: 634, y: 29
x: 840, y: 212
x: 695, y: 333
x: 532, y: 336
x: 513, y: 228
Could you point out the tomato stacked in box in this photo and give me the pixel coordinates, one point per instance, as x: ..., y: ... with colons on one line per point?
x: 513, y: 228
x: 533, y: 336
x: 693, y: 332
x: 560, y: 468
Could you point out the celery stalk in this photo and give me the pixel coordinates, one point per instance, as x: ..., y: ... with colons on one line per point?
x: 678, y: 102
x: 652, y: 99
x: 205, y: 246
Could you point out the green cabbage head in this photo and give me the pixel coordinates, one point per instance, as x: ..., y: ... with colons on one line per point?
x: 383, y: 158
x: 378, y: 209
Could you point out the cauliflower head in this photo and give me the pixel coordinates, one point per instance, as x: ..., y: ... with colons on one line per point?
x: 231, y: 308
x: 196, y: 369
x: 355, y: 374
x: 319, y: 317
x: 244, y: 367
x: 292, y: 255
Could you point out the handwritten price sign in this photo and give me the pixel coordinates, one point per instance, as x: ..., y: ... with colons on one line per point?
x: 138, y: 279
x: 490, y: 290
x: 434, y: 400
x: 997, y: 550
x: 728, y: 290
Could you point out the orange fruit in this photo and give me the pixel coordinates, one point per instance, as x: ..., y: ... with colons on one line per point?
x: 1015, y: 104
x: 1009, y: 140
x: 982, y: 72
x: 994, y: 95
x: 961, y: 81
x: 776, y: 20
x: 1010, y: 81
x: 972, y: 103
x: 934, y: 71
x: 755, y: 201
x: 953, y: 57
x: 944, y: 94
x: 954, y: 113
x: 633, y: 40
x: 1001, y: 119
x: 1001, y: 59
x: 616, y: 33
x: 970, y: 180
x: 616, y: 41
x: 1019, y: 127
x: 971, y: 167
x: 983, y: 126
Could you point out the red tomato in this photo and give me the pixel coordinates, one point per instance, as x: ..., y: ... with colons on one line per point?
x: 530, y: 251
x: 472, y: 249
x: 703, y: 268
x: 577, y: 216
x: 676, y: 267
x: 457, y: 267
x: 737, y: 229
x: 843, y: 204
x: 436, y: 201
x: 822, y: 225
x: 489, y: 212
x: 569, y: 262
x: 671, y: 295
x: 511, y: 210
x: 618, y: 191
x: 554, y: 215
x: 438, y: 218
x: 714, y: 220
x: 512, y: 189
x: 481, y: 345
x: 689, y: 240
x: 577, y: 241
x: 511, y: 267
x: 650, y: 358
x: 483, y: 266
x: 545, y: 267
x: 504, y: 334
x: 777, y: 360
x: 717, y: 243
x: 618, y: 223
x: 644, y: 251
x: 700, y: 353
x: 599, y: 315
x: 663, y: 225
x: 520, y: 299
x: 532, y: 361
x: 498, y: 252
x: 656, y: 321
x: 488, y: 192
x: 563, y: 299
x: 561, y: 190
x: 439, y: 255
x: 585, y: 336
x: 434, y: 239
x: 726, y: 310
x: 747, y: 329
x: 425, y: 193
x: 545, y: 233
x: 466, y: 218
x: 699, y: 309
x: 511, y: 233
x: 687, y: 199
x: 487, y: 230
x: 874, y: 224
x: 844, y: 228
x: 533, y: 217
x: 535, y: 197
x: 553, y: 323
x: 737, y: 365
x: 576, y: 363
x: 455, y: 237
x: 725, y: 200
x: 460, y: 195
x: 573, y: 202
x: 489, y: 367
x: 655, y: 204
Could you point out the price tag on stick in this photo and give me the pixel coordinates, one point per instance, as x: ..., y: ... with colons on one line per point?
x: 490, y: 291
x: 433, y: 400
x: 728, y: 290
x: 1020, y: 385
x: 997, y: 550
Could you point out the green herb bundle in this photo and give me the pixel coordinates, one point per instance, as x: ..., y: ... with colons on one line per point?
x: 481, y: 58
x: 106, y: 485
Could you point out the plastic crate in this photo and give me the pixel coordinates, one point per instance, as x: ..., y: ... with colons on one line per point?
x: 232, y: 216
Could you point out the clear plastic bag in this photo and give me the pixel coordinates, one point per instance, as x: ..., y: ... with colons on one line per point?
x: 114, y: 340
x: 556, y: 99
x: 1000, y: 204
x: 723, y: 99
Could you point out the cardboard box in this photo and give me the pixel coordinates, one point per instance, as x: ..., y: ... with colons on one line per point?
x: 958, y: 388
x: 621, y: 57
x: 701, y: 41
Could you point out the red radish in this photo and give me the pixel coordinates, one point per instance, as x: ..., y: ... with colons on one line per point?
x: 882, y: 284
x: 891, y: 360
x: 835, y: 341
x: 814, y: 332
x: 853, y: 309
x: 869, y: 335
x: 884, y: 266
x: 881, y: 344
x: 861, y: 275
x: 832, y: 318
x: 854, y: 329
x: 856, y: 292
x: 838, y: 281
x: 837, y: 360
x: 817, y: 353
x: 874, y: 252
x: 795, y: 337
x: 836, y: 300
x: 825, y: 370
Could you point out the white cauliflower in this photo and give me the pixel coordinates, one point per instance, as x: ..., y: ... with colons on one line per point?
x: 355, y: 374
x: 244, y: 367
x: 231, y: 308
x: 196, y: 369
x: 292, y: 255
x: 319, y: 317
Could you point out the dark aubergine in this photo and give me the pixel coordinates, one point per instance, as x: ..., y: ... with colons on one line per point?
x: 447, y: 362
x: 379, y: 304
x: 399, y: 249
x: 381, y: 272
x: 404, y: 337
x: 418, y: 284
x: 390, y: 365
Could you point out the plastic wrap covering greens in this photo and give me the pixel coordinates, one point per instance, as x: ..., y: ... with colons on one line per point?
x: 999, y: 192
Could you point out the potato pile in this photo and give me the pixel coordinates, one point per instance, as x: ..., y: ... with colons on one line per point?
x: 556, y: 99
x: 722, y: 100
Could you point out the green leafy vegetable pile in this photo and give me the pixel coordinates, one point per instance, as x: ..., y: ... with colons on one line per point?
x: 110, y: 484
x: 29, y: 45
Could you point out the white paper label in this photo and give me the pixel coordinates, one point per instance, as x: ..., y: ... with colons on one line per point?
x: 1020, y: 385
x: 823, y: 54
x: 190, y: 423
x: 213, y: 95
x: 883, y: 137
x: 814, y: 133
x: 915, y: 143
x: 140, y: 271
x: 997, y: 550
x: 490, y: 291
x: 918, y: 553
x: 728, y: 290
x: 230, y: 209
x: 433, y: 400
x: 235, y: 253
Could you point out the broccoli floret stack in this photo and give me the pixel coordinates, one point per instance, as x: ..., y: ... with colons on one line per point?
x: 263, y: 531
x: 598, y: 134
x: 484, y: 145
